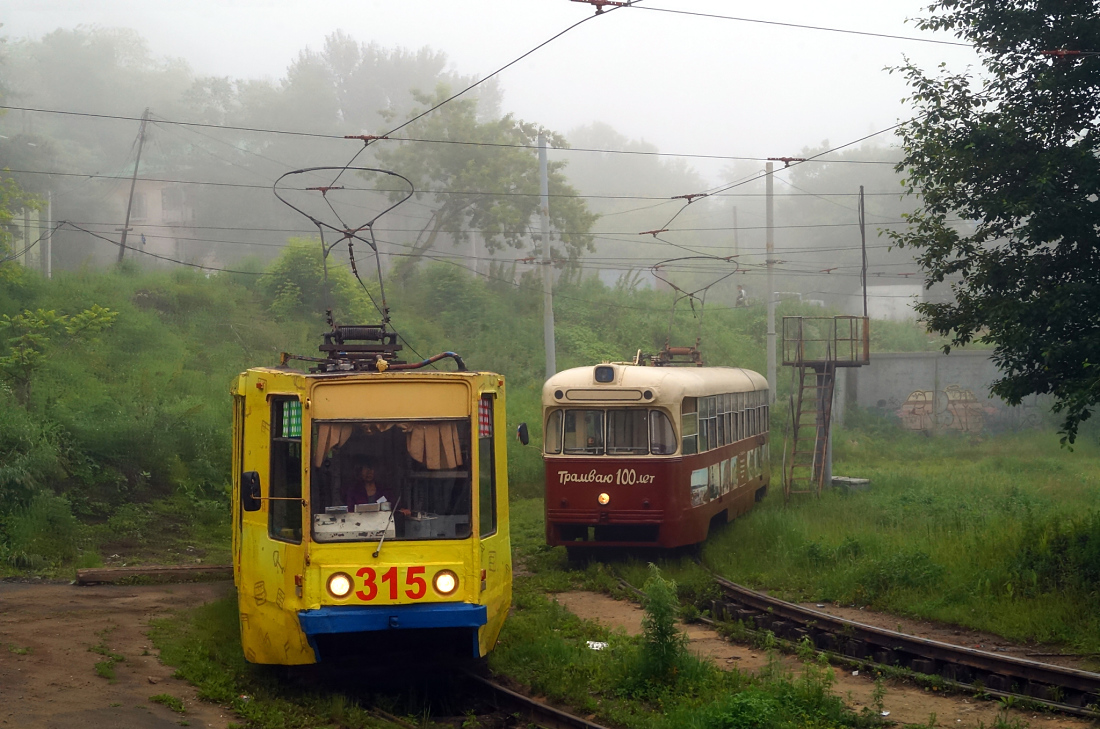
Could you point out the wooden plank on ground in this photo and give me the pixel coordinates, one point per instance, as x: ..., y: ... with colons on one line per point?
x: 160, y: 573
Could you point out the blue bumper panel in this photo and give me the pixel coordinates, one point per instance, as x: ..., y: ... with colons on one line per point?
x: 365, y: 618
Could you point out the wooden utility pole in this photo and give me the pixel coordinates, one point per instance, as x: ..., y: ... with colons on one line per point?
x: 547, y: 269
x: 133, y: 182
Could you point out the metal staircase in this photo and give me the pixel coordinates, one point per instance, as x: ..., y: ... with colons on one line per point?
x: 811, y: 413
x: 816, y: 347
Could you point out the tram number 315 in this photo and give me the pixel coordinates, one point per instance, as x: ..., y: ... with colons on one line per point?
x: 630, y: 477
x: 416, y: 585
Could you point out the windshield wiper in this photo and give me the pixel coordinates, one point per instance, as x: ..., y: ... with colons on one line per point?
x: 388, y: 522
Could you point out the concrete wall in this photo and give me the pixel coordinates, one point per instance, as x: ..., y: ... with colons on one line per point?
x: 931, y: 391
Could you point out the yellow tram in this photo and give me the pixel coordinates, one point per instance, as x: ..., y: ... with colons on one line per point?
x: 370, y: 506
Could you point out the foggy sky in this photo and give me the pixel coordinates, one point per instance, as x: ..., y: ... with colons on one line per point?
x: 689, y: 85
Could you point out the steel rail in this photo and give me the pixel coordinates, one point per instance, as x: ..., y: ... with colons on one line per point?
x: 1067, y: 689
x: 533, y: 711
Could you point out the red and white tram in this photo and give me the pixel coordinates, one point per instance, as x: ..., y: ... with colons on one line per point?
x: 651, y: 456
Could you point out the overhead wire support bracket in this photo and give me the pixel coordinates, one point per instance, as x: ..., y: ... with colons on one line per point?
x: 366, y: 138
x: 1063, y: 52
x: 600, y: 4
x: 690, y: 197
x: 653, y: 232
x: 786, y: 160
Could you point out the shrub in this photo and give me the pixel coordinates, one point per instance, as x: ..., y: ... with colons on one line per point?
x: 1060, y: 554
x: 44, y: 534
x: 664, y: 646
x: 30, y: 455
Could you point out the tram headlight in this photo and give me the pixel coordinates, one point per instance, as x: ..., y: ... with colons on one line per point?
x: 445, y: 582
x: 339, y: 585
x: 604, y: 499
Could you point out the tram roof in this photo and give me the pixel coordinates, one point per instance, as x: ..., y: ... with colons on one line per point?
x: 668, y: 384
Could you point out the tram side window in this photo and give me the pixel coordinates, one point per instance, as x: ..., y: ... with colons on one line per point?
x: 627, y: 432
x: 583, y: 432
x: 285, y: 492
x: 551, y: 439
x: 662, y: 437
x: 723, y: 409
x: 487, y: 477
x: 689, y: 426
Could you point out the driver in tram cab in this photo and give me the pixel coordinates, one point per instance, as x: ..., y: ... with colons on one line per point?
x: 365, y: 490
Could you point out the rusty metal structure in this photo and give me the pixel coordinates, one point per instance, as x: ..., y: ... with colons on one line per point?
x: 816, y: 346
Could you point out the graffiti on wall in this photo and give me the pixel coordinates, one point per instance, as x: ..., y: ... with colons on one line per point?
x: 957, y: 408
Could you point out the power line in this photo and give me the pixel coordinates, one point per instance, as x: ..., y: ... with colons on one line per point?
x: 602, y: 234
x: 249, y: 186
x: 804, y: 27
x: 341, y: 137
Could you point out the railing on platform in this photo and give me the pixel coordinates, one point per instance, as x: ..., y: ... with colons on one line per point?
x: 843, y: 341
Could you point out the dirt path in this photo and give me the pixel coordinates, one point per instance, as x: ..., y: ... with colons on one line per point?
x: 906, y: 704
x: 48, y: 674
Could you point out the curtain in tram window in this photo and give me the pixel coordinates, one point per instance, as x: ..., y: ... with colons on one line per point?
x: 329, y: 436
x: 435, y: 445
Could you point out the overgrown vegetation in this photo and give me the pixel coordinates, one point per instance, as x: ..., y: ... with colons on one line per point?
x: 1001, y: 534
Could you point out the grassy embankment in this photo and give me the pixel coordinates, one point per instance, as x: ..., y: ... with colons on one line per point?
x: 1000, y: 534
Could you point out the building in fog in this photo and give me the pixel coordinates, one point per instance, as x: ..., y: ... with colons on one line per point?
x: 160, y: 219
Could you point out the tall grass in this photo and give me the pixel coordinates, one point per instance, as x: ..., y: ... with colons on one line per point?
x: 999, y: 535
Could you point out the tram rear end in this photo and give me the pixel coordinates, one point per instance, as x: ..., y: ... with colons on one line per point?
x: 369, y: 513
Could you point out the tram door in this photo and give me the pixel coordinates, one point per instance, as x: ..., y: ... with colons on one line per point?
x: 496, y: 565
x: 271, y: 547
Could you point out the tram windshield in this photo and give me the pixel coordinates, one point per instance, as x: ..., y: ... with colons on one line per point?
x: 613, y: 432
x: 406, y: 480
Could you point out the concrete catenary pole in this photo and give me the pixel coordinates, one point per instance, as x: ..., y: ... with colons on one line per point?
x: 49, y: 238
x: 133, y: 182
x: 771, y: 287
x: 547, y: 269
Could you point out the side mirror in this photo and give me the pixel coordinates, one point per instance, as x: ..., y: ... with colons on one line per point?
x: 250, y: 491
x: 522, y: 434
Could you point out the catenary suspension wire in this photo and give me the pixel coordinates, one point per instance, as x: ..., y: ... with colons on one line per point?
x: 341, y: 137
x: 421, y: 115
x: 713, y: 16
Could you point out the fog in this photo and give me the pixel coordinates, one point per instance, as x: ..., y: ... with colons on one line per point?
x: 723, y: 93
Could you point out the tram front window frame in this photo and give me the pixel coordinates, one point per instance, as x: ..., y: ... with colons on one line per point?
x: 707, y: 422
x: 421, y: 474
x: 597, y: 432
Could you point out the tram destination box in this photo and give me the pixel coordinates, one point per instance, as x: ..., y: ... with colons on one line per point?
x: 353, y: 526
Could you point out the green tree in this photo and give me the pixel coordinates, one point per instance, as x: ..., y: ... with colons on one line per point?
x: 456, y: 181
x: 299, y: 283
x: 1014, y: 153
x: 31, y: 334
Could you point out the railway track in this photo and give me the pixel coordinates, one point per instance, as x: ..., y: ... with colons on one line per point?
x: 1065, y: 689
x: 526, y: 708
